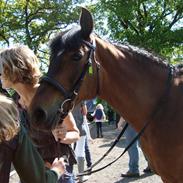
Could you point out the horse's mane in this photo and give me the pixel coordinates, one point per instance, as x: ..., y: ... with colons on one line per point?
x: 69, y: 39
x: 138, y: 51
x: 178, y: 68
x: 142, y: 52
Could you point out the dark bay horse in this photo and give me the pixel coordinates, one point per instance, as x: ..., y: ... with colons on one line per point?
x: 139, y: 85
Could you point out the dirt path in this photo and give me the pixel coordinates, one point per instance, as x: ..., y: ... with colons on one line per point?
x: 111, y: 174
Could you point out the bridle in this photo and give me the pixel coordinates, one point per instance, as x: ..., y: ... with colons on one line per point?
x: 69, y: 96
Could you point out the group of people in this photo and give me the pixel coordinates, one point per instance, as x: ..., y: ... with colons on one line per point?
x: 17, y: 148
x: 19, y: 69
x: 33, y: 152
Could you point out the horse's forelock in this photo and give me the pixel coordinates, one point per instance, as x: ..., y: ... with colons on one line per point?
x: 69, y: 39
x: 56, y: 44
x: 72, y: 38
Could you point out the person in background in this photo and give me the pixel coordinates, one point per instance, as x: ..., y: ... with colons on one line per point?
x: 99, y: 118
x: 17, y: 148
x: 133, y: 151
x: 20, y: 71
x: 87, y: 149
x: 90, y: 109
x: 79, y: 112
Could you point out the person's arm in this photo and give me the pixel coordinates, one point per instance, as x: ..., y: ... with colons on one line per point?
x: 84, y: 112
x: 30, y: 166
x: 104, y: 116
x: 84, y: 109
x: 58, y: 166
x: 88, y: 134
x: 67, y: 132
x: 121, y: 123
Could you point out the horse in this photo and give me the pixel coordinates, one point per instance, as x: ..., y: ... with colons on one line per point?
x: 140, y: 85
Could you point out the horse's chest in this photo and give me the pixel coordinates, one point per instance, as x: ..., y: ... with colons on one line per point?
x: 165, y: 158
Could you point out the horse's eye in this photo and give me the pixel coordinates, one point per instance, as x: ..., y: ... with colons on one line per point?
x: 77, y: 56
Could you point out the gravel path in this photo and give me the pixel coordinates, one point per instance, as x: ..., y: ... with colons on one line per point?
x: 111, y: 174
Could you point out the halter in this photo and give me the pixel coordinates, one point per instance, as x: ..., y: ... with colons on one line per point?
x: 69, y: 96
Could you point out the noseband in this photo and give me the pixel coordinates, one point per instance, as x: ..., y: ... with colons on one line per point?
x: 69, y: 96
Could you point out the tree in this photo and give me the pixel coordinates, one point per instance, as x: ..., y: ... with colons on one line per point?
x: 33, y: 22
x: 152, y: 24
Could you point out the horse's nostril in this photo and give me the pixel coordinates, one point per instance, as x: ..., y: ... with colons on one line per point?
x: 39, y: 116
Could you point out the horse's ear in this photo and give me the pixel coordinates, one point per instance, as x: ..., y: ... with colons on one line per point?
x: 86, y: 23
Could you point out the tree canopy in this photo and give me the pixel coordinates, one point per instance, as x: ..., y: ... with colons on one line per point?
x: 32, y: 22
x: 153, y: 24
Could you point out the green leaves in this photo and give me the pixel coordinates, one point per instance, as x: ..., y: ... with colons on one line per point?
x: 154, y: 25
x: 33, y: 22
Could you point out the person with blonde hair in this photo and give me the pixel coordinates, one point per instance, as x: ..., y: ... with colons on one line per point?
x: 16, y: 147
x: 20, y: 71
x: 99, y: 118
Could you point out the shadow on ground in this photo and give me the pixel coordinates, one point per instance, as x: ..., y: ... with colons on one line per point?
x: 107, y: 135
x: 126, y: 180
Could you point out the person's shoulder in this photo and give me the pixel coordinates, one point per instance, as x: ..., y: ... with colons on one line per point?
x: 83, y: 103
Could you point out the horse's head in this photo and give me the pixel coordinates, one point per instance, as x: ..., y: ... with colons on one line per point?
x: 68, y: 75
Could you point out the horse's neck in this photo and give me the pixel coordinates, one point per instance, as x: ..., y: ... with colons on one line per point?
x: 130, y: 86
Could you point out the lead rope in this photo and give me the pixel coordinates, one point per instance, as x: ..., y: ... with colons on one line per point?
x: 88, y: 172
x: 110, y: 149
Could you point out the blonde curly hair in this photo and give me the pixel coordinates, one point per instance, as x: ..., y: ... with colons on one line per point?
x: 100, y: 106
x: 20, y: 65
x: 9, y: 119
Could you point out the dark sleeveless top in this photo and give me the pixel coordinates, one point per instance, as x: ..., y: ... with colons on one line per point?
x: 46, y: 144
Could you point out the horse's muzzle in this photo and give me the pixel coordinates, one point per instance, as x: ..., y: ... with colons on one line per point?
x: 40, y: 120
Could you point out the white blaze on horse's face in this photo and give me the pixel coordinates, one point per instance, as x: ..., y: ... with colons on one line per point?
x: 60, y: 53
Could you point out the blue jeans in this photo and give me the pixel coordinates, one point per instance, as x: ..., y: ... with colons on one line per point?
x: 67, y: 178
x: 132, y: 151
x: 87, y: 154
